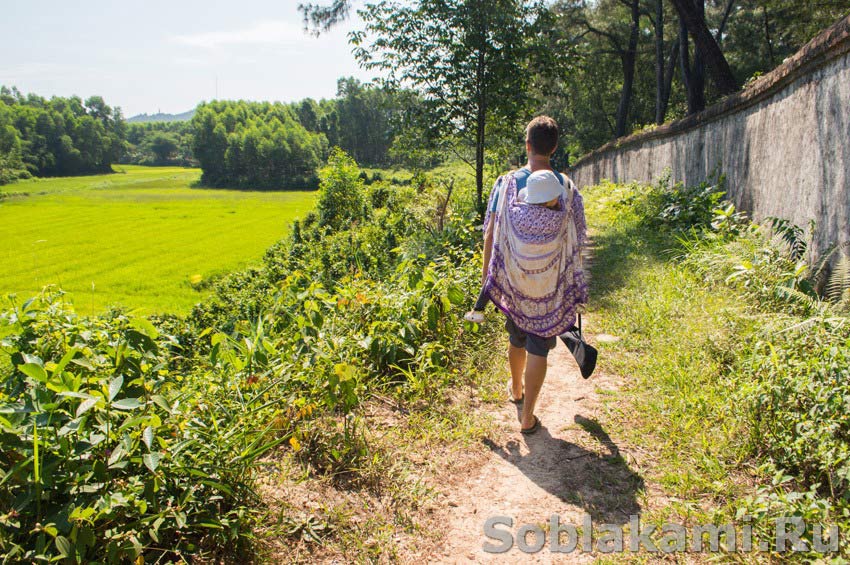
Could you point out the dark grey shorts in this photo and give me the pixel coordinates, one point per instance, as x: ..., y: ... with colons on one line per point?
x: 534, y: 344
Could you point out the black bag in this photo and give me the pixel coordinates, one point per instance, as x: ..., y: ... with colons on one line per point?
x: 584, y: 353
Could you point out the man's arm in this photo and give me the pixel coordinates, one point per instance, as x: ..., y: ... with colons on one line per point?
x: 488, y: 249
x: 488, y: 228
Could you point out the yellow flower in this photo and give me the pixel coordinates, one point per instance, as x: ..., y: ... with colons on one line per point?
x: 296, y: 445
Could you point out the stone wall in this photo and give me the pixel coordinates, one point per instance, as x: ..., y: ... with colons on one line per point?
x: 783, y: 143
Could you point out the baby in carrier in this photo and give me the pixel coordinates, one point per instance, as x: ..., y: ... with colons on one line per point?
x: 543, y: 188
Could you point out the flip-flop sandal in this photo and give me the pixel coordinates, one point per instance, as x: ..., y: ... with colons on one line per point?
x: 532, y: 429
x: 516, y: 401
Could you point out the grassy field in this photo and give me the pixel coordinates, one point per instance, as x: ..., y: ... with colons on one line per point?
x: 142, y: 238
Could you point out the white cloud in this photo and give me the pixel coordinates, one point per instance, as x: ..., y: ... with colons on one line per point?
x: 276, y: 32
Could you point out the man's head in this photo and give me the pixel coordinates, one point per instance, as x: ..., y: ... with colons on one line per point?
x: 541, y: 136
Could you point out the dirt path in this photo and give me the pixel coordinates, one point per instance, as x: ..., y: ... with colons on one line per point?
x: 570, y: 467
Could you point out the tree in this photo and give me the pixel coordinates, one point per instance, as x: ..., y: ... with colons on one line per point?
x: 11, y: 165
x: 164, y: 147
x: 466, y: 58
x: 692, y: 15
x: 61, y: 136
x: 319, y: 18
x: 629, y: 58
x: 307, y: 114
x: 342, y: 200
x: 618, y: 23
x: 256, y: 145
x: 664, y: 69
x: 174, y: 137
x: 605, y: 88
x: 693, y: 77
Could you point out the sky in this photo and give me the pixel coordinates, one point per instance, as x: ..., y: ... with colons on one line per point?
x: 153, y: 56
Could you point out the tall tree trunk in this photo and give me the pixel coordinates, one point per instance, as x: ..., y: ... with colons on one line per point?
x: 659, y: 62
x: 629, y: 58
x: 698, y: 71
x: 767, y: 35
x: 668, y: 79
x: 693, y: 77
x: 480, y: 122
x: 685, y: 59
x: 694, y: 21
x: 719, y: 35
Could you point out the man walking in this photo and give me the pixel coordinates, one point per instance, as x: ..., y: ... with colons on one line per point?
x: 534, y: 231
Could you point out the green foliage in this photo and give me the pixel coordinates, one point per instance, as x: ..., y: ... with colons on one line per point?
x: 160, y: 143
x: 111, y: 451
x: 127, y: 438
x: 341, y: 197
x: 364, y: 120
x: 837, y: 288
x: 769, y: 265
x: 680, y: 208
x: 467, y: 59
x: 744, y: 368
x: 592, y: 39
x: 57, y: 137
x: 11, y: 164
x: 256, y: 145
x: 762, y: 34
x: 797, y: 393
x: 322, y: 18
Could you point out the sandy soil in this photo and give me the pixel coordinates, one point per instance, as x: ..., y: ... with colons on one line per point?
x: 570, y: 467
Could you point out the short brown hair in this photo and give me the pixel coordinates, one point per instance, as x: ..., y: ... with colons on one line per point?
x: 542, y: 134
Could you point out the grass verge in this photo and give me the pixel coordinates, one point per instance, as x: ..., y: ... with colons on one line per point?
x: 720, y: 396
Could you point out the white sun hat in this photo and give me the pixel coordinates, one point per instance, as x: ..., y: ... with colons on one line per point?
x: 542, y: 186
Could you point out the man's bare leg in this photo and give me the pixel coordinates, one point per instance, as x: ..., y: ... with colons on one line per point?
x: 516, y: 357
x: 535, y: 373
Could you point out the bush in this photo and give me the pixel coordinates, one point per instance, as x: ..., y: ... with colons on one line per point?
x: 109, y: 453
x: 124, y: 438
x: 797, y: 388
x: 341, y: 195
x: 676, y: 208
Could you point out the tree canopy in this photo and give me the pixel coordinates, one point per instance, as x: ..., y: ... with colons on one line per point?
x: 160, y: 143
x: 602, y: 68
x: 363, y: 119
x: 255, y: 145
x: 59, y: 136
x: 459, y: 78
x: 468, y: 59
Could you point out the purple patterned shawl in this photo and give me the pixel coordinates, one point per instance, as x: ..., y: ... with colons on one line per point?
x: 535, y: 274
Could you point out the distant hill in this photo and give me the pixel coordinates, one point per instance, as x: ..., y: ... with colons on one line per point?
x: 184, y: 117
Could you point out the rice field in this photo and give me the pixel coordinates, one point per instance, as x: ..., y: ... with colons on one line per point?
x: 144, y: 238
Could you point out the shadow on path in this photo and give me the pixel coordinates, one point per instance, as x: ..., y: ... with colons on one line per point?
x: 599, y: 482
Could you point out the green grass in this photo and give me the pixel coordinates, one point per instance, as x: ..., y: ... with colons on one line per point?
x: 718, y: 395
x: 140, y: 238
x: 674, y: 403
